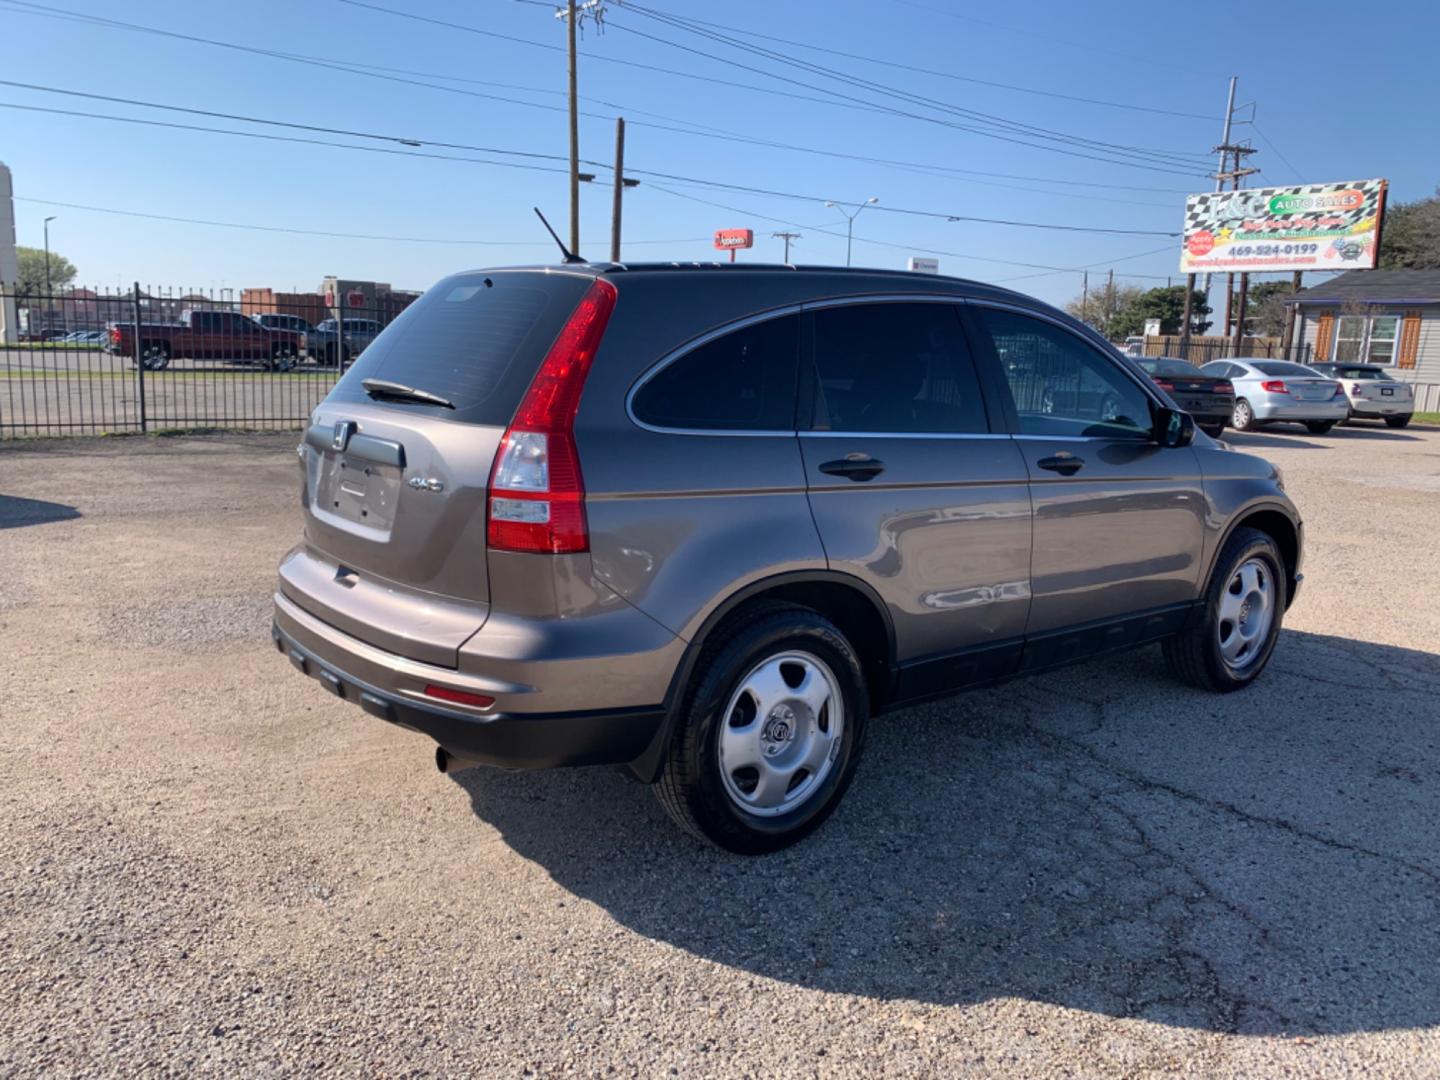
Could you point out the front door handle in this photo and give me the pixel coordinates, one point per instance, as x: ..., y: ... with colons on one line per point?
x: 855, y: 467
x: 1066, y: 464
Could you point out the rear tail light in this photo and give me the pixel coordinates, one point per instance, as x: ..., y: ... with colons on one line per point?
x: 1224, y: 387
x: 1339, y: 390
x: 1165, y: 385
x: 115, y: 335
x: 1357, y: 390
x: 1274, y: 386
x: 537, y: 496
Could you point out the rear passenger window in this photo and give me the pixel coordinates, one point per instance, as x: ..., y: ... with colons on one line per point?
x: 895, y: 368
x: 741, y: 381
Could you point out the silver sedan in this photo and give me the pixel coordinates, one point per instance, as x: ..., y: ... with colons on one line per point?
x: 1275, y: 391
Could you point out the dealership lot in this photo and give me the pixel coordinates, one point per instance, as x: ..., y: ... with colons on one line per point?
x: 208, y: 863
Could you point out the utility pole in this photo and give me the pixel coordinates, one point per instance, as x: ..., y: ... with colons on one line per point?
x: 787, y: 237
x: 619, y: 189
x: 1288, y: 338
x: 49, y: 294
x: 1232, y: 168
x: 1085, y: 297
x: 570, y: 21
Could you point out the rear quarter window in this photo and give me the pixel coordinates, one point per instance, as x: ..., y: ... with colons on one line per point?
x: 474, y: 339
x: 743, y: 380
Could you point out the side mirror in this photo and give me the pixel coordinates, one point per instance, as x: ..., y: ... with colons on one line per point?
x: 1174, y: 428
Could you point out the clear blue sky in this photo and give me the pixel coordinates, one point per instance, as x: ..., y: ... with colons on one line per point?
x: 1342, y: 92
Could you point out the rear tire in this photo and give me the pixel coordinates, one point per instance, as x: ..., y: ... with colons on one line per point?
x: 753, y: 764
x: 1319, y: 427
x: 1215, y: 653
x: 1243, y: 418
x: 1397, y: 421
x: 1213, y: 430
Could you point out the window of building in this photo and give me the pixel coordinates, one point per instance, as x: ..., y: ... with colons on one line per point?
x: 1366, y: 339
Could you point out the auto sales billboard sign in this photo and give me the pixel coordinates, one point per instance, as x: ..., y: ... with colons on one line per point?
x: 1309, y: 227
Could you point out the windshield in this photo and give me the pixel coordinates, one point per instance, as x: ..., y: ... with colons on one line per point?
x: 1281, y: 367
x: 1162, y: 365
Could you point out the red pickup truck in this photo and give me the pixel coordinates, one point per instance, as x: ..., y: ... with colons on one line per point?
x: 209, y: 335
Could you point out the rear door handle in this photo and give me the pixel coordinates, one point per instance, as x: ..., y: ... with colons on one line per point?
x: 1064, y: 463
x: 854, y: 467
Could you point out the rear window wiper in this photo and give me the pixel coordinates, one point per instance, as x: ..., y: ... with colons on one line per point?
x: 394, y: 391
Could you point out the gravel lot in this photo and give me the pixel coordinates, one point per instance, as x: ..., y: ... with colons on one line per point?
x: 207, y: 864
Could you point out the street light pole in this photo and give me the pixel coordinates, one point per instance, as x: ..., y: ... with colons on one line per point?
x: 850, y: 222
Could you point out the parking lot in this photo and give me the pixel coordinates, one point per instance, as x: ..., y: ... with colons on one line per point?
x: 209, y: 863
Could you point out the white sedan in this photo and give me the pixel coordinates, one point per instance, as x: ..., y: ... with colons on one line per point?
x: 1372, y: 393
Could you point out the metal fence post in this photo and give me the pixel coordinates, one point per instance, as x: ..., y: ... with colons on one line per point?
x: 139, y: 359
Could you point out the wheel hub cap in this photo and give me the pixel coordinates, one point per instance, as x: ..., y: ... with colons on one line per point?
x: 781, y: 734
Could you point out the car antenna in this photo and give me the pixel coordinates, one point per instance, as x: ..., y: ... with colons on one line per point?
x: 570, y: 256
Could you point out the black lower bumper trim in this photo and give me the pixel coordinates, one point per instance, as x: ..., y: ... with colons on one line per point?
x: 507, y: 740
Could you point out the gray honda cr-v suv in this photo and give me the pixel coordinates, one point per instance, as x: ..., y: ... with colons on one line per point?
x: 705, y: 521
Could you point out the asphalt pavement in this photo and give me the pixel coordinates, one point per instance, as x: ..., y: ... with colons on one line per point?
x: 208, y: 864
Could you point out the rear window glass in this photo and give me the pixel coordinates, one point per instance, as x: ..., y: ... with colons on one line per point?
x: 1280, y: 367
x: 474, y: 339
x: 1362, y: 373
x: 1161, y: 366
x: 741, y: 381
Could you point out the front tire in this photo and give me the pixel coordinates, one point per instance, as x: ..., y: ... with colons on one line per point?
x: 1243, y: 418
x: 768, y: 733
x: 1319, y: 427
x: 1231, y: 642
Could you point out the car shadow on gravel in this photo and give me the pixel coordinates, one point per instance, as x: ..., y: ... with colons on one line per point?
x: 1264, y: 863
x: 16, y: 513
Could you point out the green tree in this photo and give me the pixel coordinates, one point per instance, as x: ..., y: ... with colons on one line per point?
x: 1101, y: 307
x: 32, y: 271
x: 1265, y: 307
x: 1410, y: 238
x: 1120, y: 311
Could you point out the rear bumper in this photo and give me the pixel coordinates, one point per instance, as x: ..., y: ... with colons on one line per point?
x: 1266, y: 408
x: 513, y: 741
x: 1375, y: 410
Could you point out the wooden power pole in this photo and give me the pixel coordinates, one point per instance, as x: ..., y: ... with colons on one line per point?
x: 619, y: 189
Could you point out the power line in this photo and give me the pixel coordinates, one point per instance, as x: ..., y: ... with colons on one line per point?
x: 673, y: 177
x: 316, y: 232
x: 400, y: 139
x: 898, y: 246
x: 277, y: 138
x: 1000, y: 122
x: 930, y: 71
x: 1286, y: 161
x: 376, y: 72
x: 861, y: 102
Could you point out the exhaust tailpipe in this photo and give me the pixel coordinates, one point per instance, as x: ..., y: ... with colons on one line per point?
x: 447, y: 762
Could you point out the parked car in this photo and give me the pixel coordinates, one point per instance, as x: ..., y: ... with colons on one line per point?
x: 1271, y: 391
x: 1208, y: 398
x: 358, y: 334
x: 1371, y: 393
x: 706, y: 522
x: 276, y: 320
x: 209, y: 335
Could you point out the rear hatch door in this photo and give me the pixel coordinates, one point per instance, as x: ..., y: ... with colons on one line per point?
x: 395, y: 487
